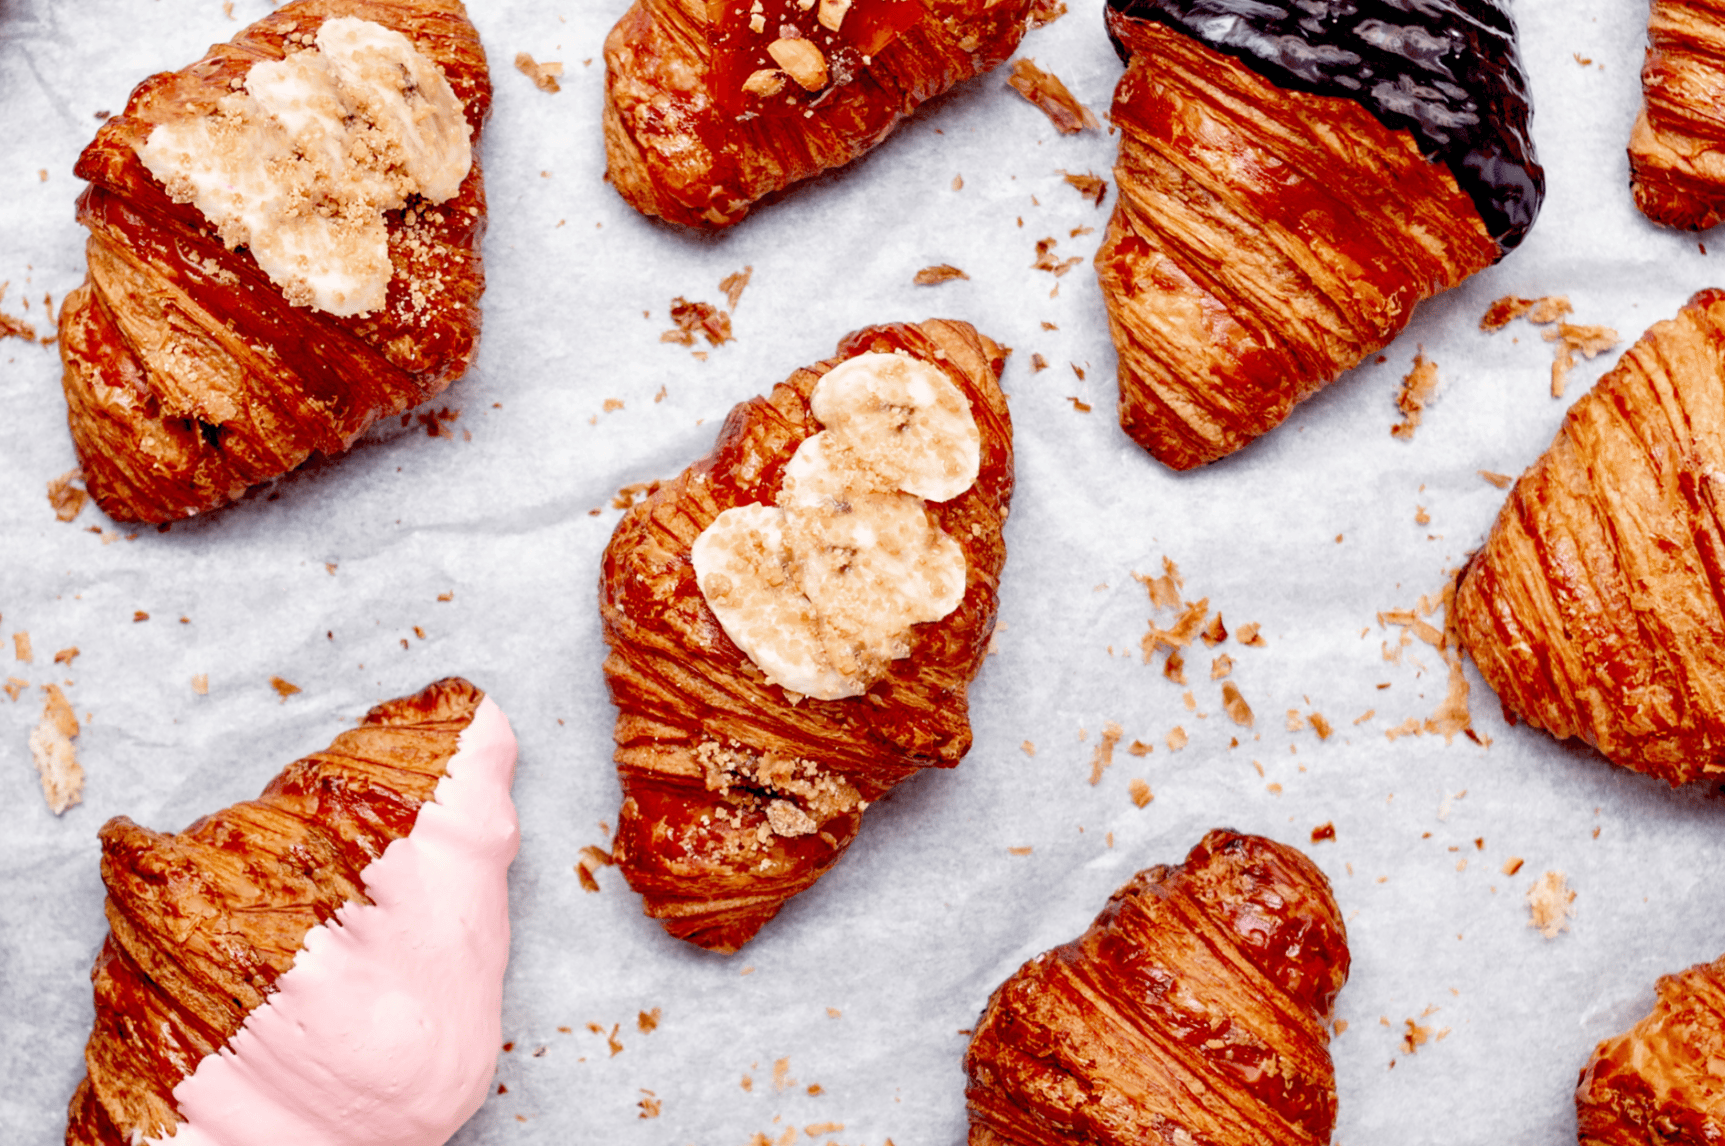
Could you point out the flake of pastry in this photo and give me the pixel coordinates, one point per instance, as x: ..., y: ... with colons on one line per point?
x: 1594, y: 621
x: 733, y: 285
x: 14, y: 687
x: 1235, y: 704
x: 1549, y: 903
x: 1090, y: 185
x: 1103, y: 756
x: 300, y: 940
x: 938, y: 273
x: 67, y: 499
x: 285, y: 689
x: 56, y: 759
x: 1140, y: 793
x: 544, y: 75
x: 1359, y: 154
x: 1051, y: 97
x: 716, y: 858
x: 1045, y: 260
x: 1418, y: 388
x: 694, y: 318
x: 1195, y: 1008
x: 21, y: 647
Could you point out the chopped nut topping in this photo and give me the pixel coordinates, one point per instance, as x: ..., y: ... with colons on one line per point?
x: 802, y: 60
x: 832, y: 13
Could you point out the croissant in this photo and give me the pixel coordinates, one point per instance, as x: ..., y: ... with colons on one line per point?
x: 1291, y: 184
x: 322, y: 963
x: 1661, y: 1083
x: 712, y: 104
x: 1594, y: 607
x: 1194, y: 1009
x: 741, y: 784
x: 219, y: 340
x: 1677, y: 147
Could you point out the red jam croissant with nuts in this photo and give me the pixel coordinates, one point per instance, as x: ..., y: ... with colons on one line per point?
x: 191, y: 371
x: 1195, y: 1009
x: 1661, y: 1083
x: 739, y: 792
x: 1677, y: 148
x: 1594, y: 608
x: 712, y: 104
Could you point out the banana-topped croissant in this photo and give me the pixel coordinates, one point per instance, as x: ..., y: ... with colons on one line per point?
x: 1662, y: 1082
x: 321, y: 964
x: 1293, y: 180
x: 284, y: 247
x: 1677, y: 148
x: 1195, y: 1009
x: 1594, y: 608
x: 712, y: 104
x: 795, y: 619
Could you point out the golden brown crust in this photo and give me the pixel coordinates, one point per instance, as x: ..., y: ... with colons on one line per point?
x: 188, y: 377
x: 1263, y: 241
x: 202, y: 922
x: 1677, y: 148
x: 707, y: 861
x: 672, y: 152
x: 1662, y: 1082
x: 1596, y: 608
x: 1195, y: 1008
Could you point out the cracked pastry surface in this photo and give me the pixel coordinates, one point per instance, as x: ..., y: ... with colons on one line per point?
x: 284, y: 247
x: 1194, y: 1009
x: 737, y: 791
x: 1596, y: 608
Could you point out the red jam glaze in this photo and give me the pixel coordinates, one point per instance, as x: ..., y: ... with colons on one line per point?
x: 739, y: 51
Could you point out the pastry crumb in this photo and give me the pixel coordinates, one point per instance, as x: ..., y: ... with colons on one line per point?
x: 66, y: 499
x: 1539, y: 311
x: 56, y: 759
x: 1324, y: 831
x: 1238, y: 709
x: 544, y: 75
x: 1501, y: 481
x: 1139, y: 748
x: 14, y: 687
x: 732, y: 285
x: 646, y: 1021
x: 1029, y: 748
x: 1418, y: 388
x: 1248, y: 635
x: 1549, y: 901
x: 1078, y: 404
x: 1512, y: 865
x: 650, y: 1105
x: 1176, y: 739
x: 1140, y: 792
x: 66, y: 656
x: 694, y: 318
x: 1020, y: 851
x: 1090, y: 185
x: 1104, y: 755
x: 283, y: 688
x: 21, y: 646
x: 1046, y: 11
x: 630, y: 494
x: 938, y: 273
x: 1045, y: 90
x: 1589, y: 341
x: 1045, y: 260
x: 201, y: 684
x: 1038, y: 364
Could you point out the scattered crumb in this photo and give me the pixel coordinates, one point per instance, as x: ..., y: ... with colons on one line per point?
x: 694, y: 318
x: 66, y: 499
x: 1045, y: 260
x: 1090, y: 185
x: 1549, y: 900
x: 1046, y: 11
x: 938, y: 273
x: 650, y: 1106
x: 782, y: 1074
x: 56, y: 759
x: 1079, y: 404
x: 1045, y: 90
x: 201, y: 684
x: 629, y: 494
x: 1221, y: 666
x: 1020, y: 851
x: 1176, y: 739
x: 1501, y: 481
x: 66, y: 656
x: 1029, y: 748
x: 21, y: 646
x: 1415, y: 1037
x: 1512, y: 865
x: 1324, y: 831
x: 1320, y: 725
x: 646, y: 1021
x: 1038, y: 364
x: 1539, y: 311
x: 139, y: 616
x: 733, y: 284
x: 1418, y: 387
x: 592, y: 859
x: 1215, y: 632
x: 544, y: 76
x: 14, y: 687
x: 1590, y: 341
x: 1104, y: 756
x: 1421, y: 517
x: 1140, y: 792
x: 612, y: 1042
x: 1139, y: 748
x: 1238, y: 709
x: 283, y: 688
x: 1248, y: 635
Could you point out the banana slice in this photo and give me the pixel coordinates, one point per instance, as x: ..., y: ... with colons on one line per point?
x: 902, y: 419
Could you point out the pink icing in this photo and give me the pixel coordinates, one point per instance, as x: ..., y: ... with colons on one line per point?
x: 386, y: 1028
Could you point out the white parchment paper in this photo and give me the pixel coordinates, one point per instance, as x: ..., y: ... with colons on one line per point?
x: 862, y: 988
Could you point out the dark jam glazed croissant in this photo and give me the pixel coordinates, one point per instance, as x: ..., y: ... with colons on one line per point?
x: 279, y: 932
x: 1677, y: 148
x: 1662, y: 1082
x: 1594, y: 608
x: 737, y: 792
x: 1293, y: 180
x: 191, y: 373
x: 1195, y: 1009
x: 712, y: 104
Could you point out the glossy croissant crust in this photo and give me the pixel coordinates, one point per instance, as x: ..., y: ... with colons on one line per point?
x: 203, y: 922
x: 1194, y: 1009
x: 188, y: 376
x: 1661, y: 1083
x: 673, y: 151
x: 706, y: 748
x: 1594, y: 608
x: 1677, y: 148
x: 1264, y: 240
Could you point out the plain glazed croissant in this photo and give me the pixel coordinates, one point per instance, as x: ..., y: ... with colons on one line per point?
x: 736, y: 794
x: 350, y: 926
x: 1661, y: 1083
x: 1594, y: 608
x: 1677, y: 148
x: 188, y: 375
x: 707, y: 110
x: 1289, y: 189
x: 1195, y: 1009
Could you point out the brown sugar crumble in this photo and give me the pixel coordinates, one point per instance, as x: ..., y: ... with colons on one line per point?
x: 1045, y: 90
x: 544, y: 76
x: 938, y: 273
x: 1418, y: 387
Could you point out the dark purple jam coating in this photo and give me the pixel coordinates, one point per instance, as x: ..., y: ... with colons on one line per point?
x: 1446, y: 70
